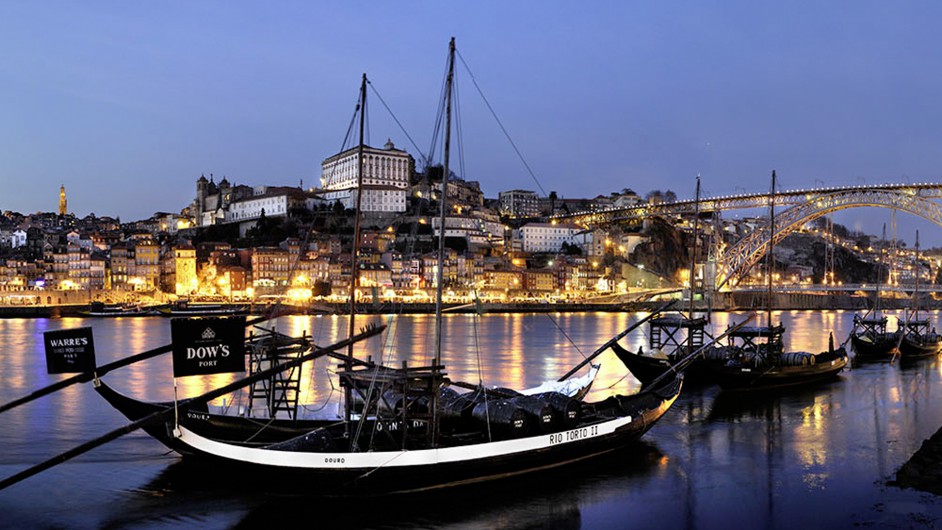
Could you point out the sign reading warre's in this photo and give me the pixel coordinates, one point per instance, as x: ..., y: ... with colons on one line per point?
x: 207, y: 345
x: 69, y: 351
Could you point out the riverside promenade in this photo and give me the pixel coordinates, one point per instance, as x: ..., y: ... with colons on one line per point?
x: 725, y: 301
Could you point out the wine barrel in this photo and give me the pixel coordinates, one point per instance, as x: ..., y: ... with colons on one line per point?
x: 715, y: 354
x: 797, y: 359
x: 506, y: 419
x: 567, y: 411
x: 455, y: 406
x: 542, y: 419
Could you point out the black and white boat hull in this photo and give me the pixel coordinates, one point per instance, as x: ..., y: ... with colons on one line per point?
x: 607, y: 426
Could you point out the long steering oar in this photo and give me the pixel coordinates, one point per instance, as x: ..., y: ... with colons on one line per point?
x: 203, y: 398
x: 100, y: 371
x: 682, y: 364
x: 615, y: 339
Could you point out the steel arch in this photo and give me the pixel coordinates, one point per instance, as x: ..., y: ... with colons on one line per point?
x: 738, y: 259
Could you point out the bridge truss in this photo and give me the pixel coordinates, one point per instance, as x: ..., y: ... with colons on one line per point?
x: 802, y: 207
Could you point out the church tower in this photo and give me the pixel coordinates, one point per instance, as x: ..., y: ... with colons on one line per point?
x: 63, y: 209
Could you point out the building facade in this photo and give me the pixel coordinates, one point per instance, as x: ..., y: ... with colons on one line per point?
x: 386, y: 176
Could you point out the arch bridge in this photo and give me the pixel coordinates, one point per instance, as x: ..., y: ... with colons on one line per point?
x: 800, y: 208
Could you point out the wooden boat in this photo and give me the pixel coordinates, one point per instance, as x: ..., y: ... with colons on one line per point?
x: 869, y: 338
x: 410, y: 447
x: 670, y: 339
x: 756, y: 357
x: 407, y: 428
x: 919, y: 339
x: 871, y: 341
x: 183, y: 308
x: 757, y: 360
x: 270, y: 412
x: 100, y: 309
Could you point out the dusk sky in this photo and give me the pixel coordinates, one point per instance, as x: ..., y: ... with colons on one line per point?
x: 128, y: 103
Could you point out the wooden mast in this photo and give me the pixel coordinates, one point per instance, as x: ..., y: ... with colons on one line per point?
x: 354, y: 273
x: 693, y: 246
x: 771, y: 251
x: 693, y: 260
x: 439, y: 276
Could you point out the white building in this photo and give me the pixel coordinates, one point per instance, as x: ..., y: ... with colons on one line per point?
x: 475, y: 230
x: 18, y: 238
x: 274, y: 201
x: 386, y: 175
x: 546, y: 237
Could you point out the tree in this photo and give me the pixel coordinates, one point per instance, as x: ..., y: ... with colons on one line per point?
x: 570, y: 249
x: 654, y: 197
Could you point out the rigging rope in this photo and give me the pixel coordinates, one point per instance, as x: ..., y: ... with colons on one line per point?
x: 500, y: 124
x: 477, y: 353
x: 346, y: 137
x: 403, y: 129
x: 458, y: 133
x: 561, y: 330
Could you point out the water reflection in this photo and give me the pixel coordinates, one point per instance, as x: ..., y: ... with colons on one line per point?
x: 808, y: 457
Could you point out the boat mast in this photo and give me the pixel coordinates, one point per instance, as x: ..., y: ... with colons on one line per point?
x: 876, y: 302
x: 916, y: 296
x: 693, y: 246
x: 771, y: 249
x: 348, y: 364
x: 439, y: 276
x: 693, y: 261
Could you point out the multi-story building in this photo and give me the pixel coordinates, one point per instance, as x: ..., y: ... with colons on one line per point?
x: 271, y: 268
x: 519, y: 204
x: 374, y: 275
x: 546, y: 237
x: 538, y: 280
x: 97, y: 265
x: 386, y: 176
x: 79, y: 267
x: 270, y: 201
x: 121, y: 261
x: 184, y: 268
x: 502, y: 280
x: 146, y: 273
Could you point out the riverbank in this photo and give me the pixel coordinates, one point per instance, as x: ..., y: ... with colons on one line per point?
x: 729, y: 301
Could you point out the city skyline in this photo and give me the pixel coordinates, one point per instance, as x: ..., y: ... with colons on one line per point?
x: 127, y: 105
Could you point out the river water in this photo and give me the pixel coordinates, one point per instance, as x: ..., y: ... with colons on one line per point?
x: 818, y: 457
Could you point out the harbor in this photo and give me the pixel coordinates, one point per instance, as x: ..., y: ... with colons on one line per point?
x: 294, y: 305
x: 832, y: 449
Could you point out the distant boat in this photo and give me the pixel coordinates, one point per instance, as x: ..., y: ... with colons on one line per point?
x: 671, y: 338
x: 871, y: 341
x: 756, y: 355
x: 100, y: 309
x: 183, y: 308
x: 757, y: 360
x: 919, y: 337
x: 919, y: 340
x: 869, y: 338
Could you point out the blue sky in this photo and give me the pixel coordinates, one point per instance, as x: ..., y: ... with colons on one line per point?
x: 128, y: 103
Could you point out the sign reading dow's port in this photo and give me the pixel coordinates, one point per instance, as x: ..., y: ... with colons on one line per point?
x: 69, y: 351
x: 204, y: 346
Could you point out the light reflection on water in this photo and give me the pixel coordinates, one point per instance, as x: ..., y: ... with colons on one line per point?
x: 812, y: 458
